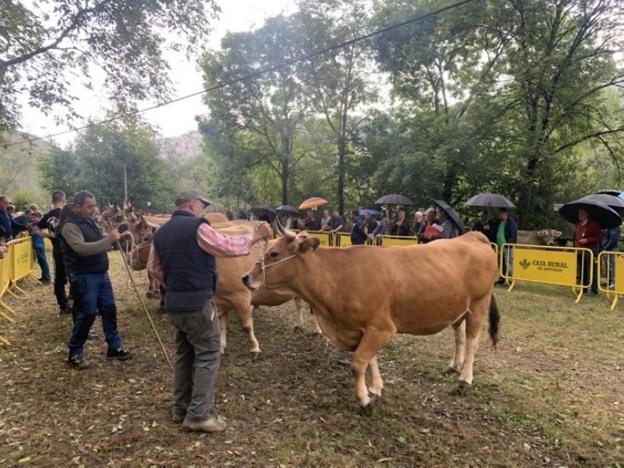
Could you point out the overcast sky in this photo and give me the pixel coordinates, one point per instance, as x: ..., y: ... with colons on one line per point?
x: 178, y: 118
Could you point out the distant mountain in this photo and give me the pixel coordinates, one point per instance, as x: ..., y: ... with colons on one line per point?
x: 19, y: 174
x: 180, y: 149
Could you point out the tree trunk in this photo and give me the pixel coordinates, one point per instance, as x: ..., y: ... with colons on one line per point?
x: 340, y: 169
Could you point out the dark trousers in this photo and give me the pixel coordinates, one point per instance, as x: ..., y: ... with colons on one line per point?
x: 60, y: 280
x: 197, y: 360
x: 43, y: 263
x: 93, y: 294
x: 583, y: 270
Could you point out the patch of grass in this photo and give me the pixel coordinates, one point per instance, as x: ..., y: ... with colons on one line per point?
x: 550, y: 395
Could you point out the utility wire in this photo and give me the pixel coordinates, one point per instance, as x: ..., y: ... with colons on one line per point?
x: 254, y: 74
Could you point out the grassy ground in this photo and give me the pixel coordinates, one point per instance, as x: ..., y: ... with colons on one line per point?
x: 550, y: 395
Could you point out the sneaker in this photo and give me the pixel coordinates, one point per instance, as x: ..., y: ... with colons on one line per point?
x: 120, y: 353
x: 64, y: 310
x: 44, y: 281
x: 177, y: 419
x: 77, y: 361
x: 212, y: 424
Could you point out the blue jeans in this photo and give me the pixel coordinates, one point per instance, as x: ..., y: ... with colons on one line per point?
x: 43, y: 263
x: 94, y: 293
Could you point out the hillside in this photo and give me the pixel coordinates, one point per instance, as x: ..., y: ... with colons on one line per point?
x: 19, y: 175
x: 181, y: 149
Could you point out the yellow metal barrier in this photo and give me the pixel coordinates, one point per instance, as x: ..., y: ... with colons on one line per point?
x: 22, y: 261
x: 385, y: 240
x: 343, y: 239
x: 611, y: 270
x: 5, y: 282
x: 325, y: 237
x: 561, y: 266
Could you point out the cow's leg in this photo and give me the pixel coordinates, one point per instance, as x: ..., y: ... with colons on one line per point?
x: 222, y: 329
x: 376, y: 380
x: 457, y: 362
x: 299, y: 306
x: 474, y: 320
x: 317, y: 328
x: 371, y: 342
x: 243, y: 310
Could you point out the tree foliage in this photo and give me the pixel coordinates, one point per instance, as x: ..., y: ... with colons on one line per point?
x: 97, y: 160
x: 46, y: 44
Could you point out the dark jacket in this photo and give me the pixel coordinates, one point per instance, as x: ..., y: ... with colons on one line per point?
x: 402, y: 229
x: 610, y: 238
x: 358, y: 232
x: 511, y: 230
x: 75, y: 263
x: 6, y: 229
x: 190, y: 274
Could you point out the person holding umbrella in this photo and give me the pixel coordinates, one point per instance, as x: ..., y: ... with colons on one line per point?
x: 587, y: 235
x: 589, y: 216
x: 448, y: 220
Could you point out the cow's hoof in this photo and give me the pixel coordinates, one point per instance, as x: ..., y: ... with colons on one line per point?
x: 366, y: 411
x: 451, y: 370
x: 254, y: 355
x: 298, y: 329
x: 462, y: 388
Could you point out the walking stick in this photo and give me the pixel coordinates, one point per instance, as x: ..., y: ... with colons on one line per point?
x: 136, y: 290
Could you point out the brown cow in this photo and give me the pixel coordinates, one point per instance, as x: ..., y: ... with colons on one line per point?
x: 418, y: 289
x: 230, y: 293
x: 543, y: 237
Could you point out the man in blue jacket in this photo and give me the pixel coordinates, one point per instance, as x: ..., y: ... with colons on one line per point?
x: 610, y: 241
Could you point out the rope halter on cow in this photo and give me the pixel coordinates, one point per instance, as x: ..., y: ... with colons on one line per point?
x: 263, y: 266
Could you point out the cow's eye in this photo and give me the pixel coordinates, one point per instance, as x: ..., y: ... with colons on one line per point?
x: 274, y: 254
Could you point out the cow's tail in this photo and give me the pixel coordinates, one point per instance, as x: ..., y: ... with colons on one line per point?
x: 494, y: 319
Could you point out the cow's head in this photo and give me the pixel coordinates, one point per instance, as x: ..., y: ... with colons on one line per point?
x: 549, y: 236
x: 281, y: 261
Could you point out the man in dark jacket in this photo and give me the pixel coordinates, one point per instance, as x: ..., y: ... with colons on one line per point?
x: 85, y: 255
x: 183, y: 259
x: 503, y: 231
x: 359, y: 236
x: 6, y: 222
x: 50, y: 222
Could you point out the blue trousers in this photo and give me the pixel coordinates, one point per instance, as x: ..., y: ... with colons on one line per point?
x: 43, y: 263
x: 93, y: 294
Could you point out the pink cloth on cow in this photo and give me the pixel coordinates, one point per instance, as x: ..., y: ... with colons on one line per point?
x: 209, y: 241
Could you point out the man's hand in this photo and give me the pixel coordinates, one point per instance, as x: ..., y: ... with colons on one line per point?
x: 114, y: 235
x: 262, y: 231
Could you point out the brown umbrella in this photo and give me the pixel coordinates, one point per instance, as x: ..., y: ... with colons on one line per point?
x: 312, y: 202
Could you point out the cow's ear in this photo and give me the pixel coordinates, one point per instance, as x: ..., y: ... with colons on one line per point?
x: 307, y: 244
x: 541, y: 233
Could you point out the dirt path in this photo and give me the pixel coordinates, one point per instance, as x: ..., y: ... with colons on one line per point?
x: 551, y: 395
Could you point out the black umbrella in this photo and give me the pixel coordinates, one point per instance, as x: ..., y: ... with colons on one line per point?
x: 394, y: 199
x: 598, y: 211
x: 613, y: 202
x: 614, y: 192
x: 451, y: 213
x: 489, y: 200
x: 287, y: 210
x: 264, y: 213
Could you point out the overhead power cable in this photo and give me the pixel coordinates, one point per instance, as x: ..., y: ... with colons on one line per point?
x: 254, y: 74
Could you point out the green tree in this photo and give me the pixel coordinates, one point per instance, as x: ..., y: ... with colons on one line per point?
x: 269, y: 108
x: 337, y: 80
x: 43, y: 43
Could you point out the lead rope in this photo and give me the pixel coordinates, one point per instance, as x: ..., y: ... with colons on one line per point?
x: 136, y: 290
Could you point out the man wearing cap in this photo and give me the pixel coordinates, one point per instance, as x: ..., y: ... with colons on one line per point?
x: 86, y: 259
x: 183, y: 259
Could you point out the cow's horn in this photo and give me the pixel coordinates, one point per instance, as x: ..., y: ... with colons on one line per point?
x: 282, y: 230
